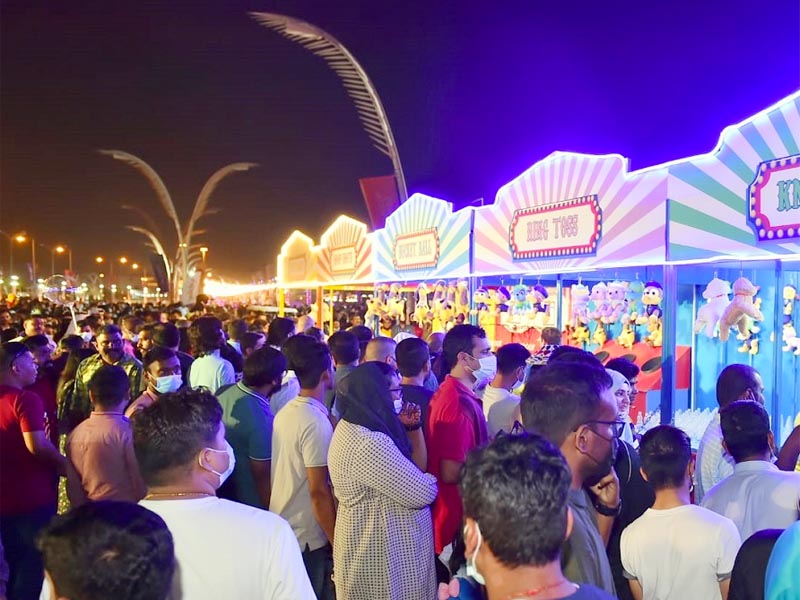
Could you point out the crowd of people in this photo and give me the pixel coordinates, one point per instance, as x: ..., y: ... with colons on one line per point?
x: 218, y: 455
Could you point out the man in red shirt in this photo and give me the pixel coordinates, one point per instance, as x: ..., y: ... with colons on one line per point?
x: 455, y: 423
x: 29, y: 468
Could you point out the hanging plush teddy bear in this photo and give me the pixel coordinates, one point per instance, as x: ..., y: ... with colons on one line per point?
x: 598, y: 306
x: 717, y: 300
x: 616, y: 301
x: 740, y: 307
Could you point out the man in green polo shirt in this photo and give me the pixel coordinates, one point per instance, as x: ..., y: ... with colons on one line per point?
x: 248, y: 426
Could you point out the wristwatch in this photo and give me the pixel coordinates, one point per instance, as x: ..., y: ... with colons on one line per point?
x: 607, y: 511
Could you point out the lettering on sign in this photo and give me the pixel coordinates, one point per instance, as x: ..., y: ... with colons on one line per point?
x: 343, y: 260
x: 296, y: 269
x: 774, y: 200
x: 418, y: 250
x: 568, y: 228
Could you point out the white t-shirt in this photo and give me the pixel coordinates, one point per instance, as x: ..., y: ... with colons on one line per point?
x: 211, y: 371
x: 757, y: 496
x: 301, y: 436
x: 229, y: 550
x: 501, y: 409
x: 680, y: 553
x: 713, y: 463
x: 290, y: 389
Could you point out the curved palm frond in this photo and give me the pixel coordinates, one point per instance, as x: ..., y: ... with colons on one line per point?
x: 146, y: 217
x: 155, y: 182
x: 156, y: 244
x: 354, y: 79
x: 201, y: 206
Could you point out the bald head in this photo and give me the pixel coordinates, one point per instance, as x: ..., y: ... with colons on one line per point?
x: 436, y: 342
x: 739, y: 382
x: 381, y: 349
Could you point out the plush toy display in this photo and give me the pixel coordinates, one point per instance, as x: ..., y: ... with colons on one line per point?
x: 616, y: 301
x: 740, y: 307
x: 579, y: 334
x: 481, y: 297
x: 633, y: 302
x: 520, y: 305
x: 652, y: 297
x: 579, y: 311
x: 503, y: 296
x: 791, y: 341
x: 626, y: 337
x: 717, y: 299
x: 422, y: 310
x: 599, y: 337
x: 789, y: 336
x: 598, y: 305
x: 395, y: 304
x: 462, y: 297
x: 751, y: 338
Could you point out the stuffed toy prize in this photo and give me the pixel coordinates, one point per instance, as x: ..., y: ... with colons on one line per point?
x: 740, y: 307
x: 717, y: 300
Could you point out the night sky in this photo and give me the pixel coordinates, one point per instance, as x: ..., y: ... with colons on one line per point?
x: 475, y: 93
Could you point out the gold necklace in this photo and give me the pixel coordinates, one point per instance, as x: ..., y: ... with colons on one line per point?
x: 177, y: 495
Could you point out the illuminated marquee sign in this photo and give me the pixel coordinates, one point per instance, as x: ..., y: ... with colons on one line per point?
x: 296, y: 269
x: 569, y: 228
x: 418, y: 250
x: 774, y: 200
x: 343, y: 260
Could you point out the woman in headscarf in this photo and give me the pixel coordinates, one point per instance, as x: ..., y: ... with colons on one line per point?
x: 383, y: 542
x: 622, y: 395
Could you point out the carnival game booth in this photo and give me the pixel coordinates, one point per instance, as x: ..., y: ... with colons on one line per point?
x: 734, y: 249
x: 589, y: 236
x: 297, y: 270
x: 422, y: 264
x: 344, y: 268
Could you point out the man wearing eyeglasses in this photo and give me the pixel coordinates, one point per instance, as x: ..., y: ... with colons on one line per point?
x: 110, y: 351
x: 29, y: 468
x: 570, y: 403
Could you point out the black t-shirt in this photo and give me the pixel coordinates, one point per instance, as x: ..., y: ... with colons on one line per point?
x: 418, y: 395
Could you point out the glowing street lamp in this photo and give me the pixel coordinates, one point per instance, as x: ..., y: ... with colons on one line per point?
x: 204, y: 251
x: 99, y: 260
x: 123, y: 260
x: 21, y: 238
x: 60, y: 250
x: 135, y: 266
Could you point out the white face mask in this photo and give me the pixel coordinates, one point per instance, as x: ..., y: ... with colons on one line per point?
x: 398, y: 406
x: 472, y: 570
x: 231, y: 463
x: 87, y: 336
x: 487, y: 370
x: 168, y: 383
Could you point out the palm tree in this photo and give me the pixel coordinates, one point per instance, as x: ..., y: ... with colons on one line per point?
x: 354, y: 79
x: 201, y: 209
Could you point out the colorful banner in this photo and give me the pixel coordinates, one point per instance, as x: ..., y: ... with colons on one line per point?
x: 344, y: 255
x: 571, y: 212
x: 742, y: 199
x: 423, y: 240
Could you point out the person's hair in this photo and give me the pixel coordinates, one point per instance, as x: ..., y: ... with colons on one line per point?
x: 109, y: 549
x: 311, y: 363
x: 109, y: 330
x: 169, y: 433
x: 459, y: 339
x: 628, y: 369
x: 733, y: 382
x: 109, y: 386
x: 249, y: 340
x: 8, y: 334
x: 745, y: 429
x: 572, y: 354
x: 280, y: 330
x: 665, y: 452
x: 263, y: 366
x: 551, y: 336
x: 344, y: 347
x: 379, y: 347
x: 204, y: 335
x: 316, y: 333
x: 561, y: 397
x: 71, y: 343
x: 166, y: 335
x: 33, y: 342
x: 362, y: 332
x: 157, y: 354
x: 132, y: 323
x: 295, y: 346
x: 516, y: 489
x: 511, y: 357
x: 9, y: 352
x: 412, y: 356
x: 236, y: 329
